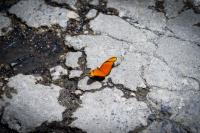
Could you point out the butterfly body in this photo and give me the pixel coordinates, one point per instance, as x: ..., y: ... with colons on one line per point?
x: 104, y: 69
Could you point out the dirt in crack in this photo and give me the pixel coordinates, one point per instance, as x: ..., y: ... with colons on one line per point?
x: 26, y: 50
x: 141, y: 93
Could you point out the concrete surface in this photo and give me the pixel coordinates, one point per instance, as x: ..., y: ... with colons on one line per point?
x: 72, y: 59
x: 32, y: 105
x: 57, y: 72
x: 36, y: 13
x: 154, y: 86
x: 109, y: 108
x: 5, y: 24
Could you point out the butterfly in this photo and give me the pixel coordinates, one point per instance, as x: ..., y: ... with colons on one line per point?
x: 104, y: 70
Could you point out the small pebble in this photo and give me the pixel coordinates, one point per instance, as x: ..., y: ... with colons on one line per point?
x: 78, y: 92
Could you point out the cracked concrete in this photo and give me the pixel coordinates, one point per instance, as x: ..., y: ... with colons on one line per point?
x: 30, y: 107
x: 36, y: 13
x: 182, y: 105
x: 75, y: 73
x: 72, y: 59
x: 183, y: 26
x: 181, y: 56
x: 85, y: 85
x: 173, y: 7
x: 153, y: 87
x: 139, y: 12
x: 57, y: 72
x: 120, y: 29
x: 109, y: 108
x: 5, y: 24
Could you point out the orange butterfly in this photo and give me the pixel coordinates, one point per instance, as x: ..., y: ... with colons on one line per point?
x: 104, y: 70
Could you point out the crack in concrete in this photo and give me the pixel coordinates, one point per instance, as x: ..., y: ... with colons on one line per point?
x: 160, y: 58
x: 195, y: 79
x: 137, y: 25
x: 115, y: 38
x: 179, y: 38
x: 142, y: 92
x: 56, y: 4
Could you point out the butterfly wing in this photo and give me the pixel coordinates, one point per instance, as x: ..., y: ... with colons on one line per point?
x: 107, y: 65
x: 97, y: 73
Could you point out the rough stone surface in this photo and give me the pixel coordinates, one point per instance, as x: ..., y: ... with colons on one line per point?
x: 5, y: 24
x: 120, y: 29
x: 32, y: 105
x: 72, y: 59
x: 139, y: 12
x: 84, y: 84
x: 78, y: 92
x: 98, y: 52
x: 110, y: 47
x: 183, y: 106
x: 156, y: 43
x: 166, y: 126
x: 73, y: 15
x: 36, y: 13
x: 91, y: 14
x: 129, y: 71
x: 75, y: 73
x: 161, y: 75
x: 196, y: 5
x: 173, y: 7
x: 57, y: 72
x: 110, y: 112
x: 181, y: 56
x: 184, y: 27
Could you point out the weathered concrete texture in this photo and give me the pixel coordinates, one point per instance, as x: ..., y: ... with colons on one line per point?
x: 5, y: 24
x: 72, y: 59
x: 184, y: 26
x: 72, y: 15
x: 118, y: 28
x: 98, y: 48
x: 184, y: 106
x: 94, y: 2
x: 107, y: 111
x: 196, y: 4
x: 91, y: 14
x: 157, y: 52
x: 165, y: 126
x: 182, y: 56
x: 69, y: 2
x: 139, y: 12
x: 159, y: 74
x: 106, y: 47
x: 178, y: 68
x: 36, y: 13
x: 127, y: 71
x: 75, y: 73
x: 32, y: 105
x: 85, y: 85
x: 57, y: 72
x: 173, y: 7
